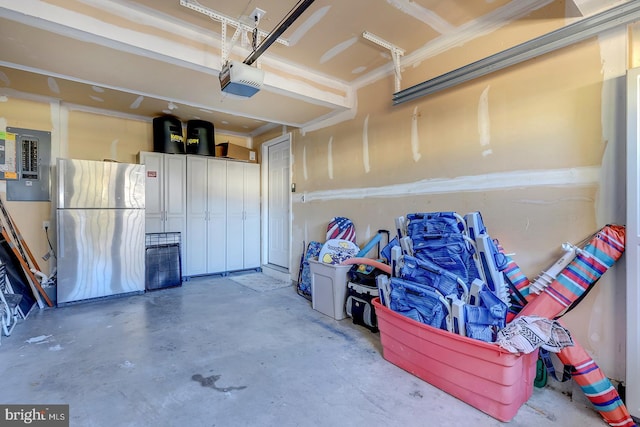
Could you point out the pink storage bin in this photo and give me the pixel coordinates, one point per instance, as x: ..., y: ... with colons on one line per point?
x: 481, y: 374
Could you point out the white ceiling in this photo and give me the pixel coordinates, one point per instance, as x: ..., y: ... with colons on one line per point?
x: 144, y: 57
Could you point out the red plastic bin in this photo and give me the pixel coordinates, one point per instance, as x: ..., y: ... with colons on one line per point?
x: 484, y: 375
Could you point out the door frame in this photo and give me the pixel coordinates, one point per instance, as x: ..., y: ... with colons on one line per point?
x: 264, y: 170
x: 632, y: 239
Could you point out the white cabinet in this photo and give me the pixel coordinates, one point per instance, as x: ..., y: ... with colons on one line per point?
x: 165, y: 199
x: 243, y: 216
x: 206, y: 215
x: 223, y: 216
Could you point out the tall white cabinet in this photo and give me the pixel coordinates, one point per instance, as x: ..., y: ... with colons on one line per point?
x: 243, y: 216
x: 165, y: 201
x: 223, y: 216
x: 206, y: 215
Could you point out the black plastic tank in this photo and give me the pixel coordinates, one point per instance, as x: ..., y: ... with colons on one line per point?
x: 200, y: 138
x: 167, y: 135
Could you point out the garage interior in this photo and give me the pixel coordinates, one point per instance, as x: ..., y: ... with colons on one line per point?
x: 521, y: 110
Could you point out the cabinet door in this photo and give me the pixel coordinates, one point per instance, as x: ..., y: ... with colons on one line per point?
x: 175, y: 198
x: 251, y: 236
x: 196, y: 249
x: 217, y: 215
x: 235, y: 216
x: 153, y: 191
x: 175, y: 193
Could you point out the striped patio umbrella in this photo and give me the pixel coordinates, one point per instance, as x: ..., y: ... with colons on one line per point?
x: 596, y: 386
x: 598, y: 255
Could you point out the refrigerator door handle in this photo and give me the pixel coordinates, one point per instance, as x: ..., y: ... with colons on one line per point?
x: 60, y: 236
x: 61, y: 183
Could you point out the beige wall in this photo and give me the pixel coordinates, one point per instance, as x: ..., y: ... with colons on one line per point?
x: 529, y: 147
x: 100, y: 137
x: 75, y: 134
x: 232, y: 139
x: 28, y: 216
x: 94, y: 136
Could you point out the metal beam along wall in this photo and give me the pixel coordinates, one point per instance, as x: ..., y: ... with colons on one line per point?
x: 563, y: 37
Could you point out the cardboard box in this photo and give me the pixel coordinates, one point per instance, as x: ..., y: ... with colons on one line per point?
x: 232, y: 151
x: 484, y: 375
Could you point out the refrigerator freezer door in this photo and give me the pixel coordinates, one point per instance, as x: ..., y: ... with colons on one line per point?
x: 100, y: 253
x: 88, y: 184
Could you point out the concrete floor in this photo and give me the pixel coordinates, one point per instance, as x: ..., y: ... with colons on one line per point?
x: 215, y: 353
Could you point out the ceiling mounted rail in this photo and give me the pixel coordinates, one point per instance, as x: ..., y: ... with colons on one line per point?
x: 563, y: 37
x: 281, y: 28
x: 241, y: 28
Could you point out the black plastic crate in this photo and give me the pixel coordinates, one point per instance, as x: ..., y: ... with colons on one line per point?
x: 163, y: 261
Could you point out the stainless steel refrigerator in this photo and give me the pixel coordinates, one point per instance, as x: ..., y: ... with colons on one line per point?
x: 100, y: 229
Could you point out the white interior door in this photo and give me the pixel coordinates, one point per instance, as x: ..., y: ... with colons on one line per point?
x: 633, y: 243
x: 278, y: 203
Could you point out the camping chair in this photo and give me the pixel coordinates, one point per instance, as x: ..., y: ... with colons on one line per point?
x: 9, y: 304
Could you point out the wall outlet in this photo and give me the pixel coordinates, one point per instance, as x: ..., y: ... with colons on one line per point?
x: 45, y: 225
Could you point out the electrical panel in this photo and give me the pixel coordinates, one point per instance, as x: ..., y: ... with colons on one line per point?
x: 33, y: 156
x: 29, y: 159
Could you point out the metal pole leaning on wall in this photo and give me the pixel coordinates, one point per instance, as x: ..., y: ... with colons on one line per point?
x: 20, y: 249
